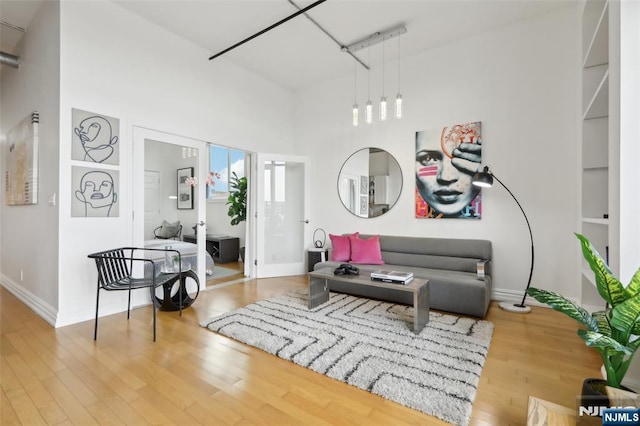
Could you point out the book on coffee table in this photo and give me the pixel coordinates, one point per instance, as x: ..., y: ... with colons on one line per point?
x: 392, y: 281
x: 388, y: 276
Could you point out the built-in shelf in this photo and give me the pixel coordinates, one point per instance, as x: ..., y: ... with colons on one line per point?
x: 596, y: 168
x: 588, y: 275
x: 598, y: 105
x: 598, y: 48
x: 595, y: 221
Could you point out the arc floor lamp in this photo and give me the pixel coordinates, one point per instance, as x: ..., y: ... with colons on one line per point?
x: 485, y: 179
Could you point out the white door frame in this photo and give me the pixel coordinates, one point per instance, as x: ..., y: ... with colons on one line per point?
x: 140, y: 134
x: 259, y: 271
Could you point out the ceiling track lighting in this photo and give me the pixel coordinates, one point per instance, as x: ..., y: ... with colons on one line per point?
x: 368, y: 109
x: 375, y: 38
x: 354, y: 111
x: 398, y: 96
x: 383, y: 99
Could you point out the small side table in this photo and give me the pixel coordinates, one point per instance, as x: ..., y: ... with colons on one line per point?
x: 316, y: 255
x: 170, y: 300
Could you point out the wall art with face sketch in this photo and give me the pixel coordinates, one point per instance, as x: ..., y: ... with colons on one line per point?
x: 94, y: 192
x: 446, y: 160
x: 95, y: 137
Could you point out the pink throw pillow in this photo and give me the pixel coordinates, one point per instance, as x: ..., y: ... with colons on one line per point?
x: 366, y: 251
x: 341, y: 247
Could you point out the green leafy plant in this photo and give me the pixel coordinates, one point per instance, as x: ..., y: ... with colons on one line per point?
x: 613, y: 332
x: 237, y: 200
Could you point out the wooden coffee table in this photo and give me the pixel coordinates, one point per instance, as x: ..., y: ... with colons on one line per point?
x: 419, y: 287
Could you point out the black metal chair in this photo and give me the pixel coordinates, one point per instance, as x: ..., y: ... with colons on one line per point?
x: 115, y: 272
x: 160, y: 233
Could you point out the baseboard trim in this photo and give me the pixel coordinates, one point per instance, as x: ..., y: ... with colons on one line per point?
x: 39, y: 306
x: 515, y: 296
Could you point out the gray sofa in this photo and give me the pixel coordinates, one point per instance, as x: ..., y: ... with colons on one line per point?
x: 452, y: 266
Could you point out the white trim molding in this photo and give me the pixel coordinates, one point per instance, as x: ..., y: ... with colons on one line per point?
x: 40, y: 307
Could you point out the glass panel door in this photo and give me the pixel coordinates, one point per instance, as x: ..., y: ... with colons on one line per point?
x: 281, y: 212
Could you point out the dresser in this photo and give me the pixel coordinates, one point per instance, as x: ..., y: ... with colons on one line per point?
x: 223, y: 249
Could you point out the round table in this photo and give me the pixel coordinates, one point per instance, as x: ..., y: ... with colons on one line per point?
x: 173, y: 291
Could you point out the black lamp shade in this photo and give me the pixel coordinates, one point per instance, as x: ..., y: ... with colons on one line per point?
x: 483, y: 178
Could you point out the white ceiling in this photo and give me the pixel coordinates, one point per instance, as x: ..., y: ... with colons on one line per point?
x: 297, y: 53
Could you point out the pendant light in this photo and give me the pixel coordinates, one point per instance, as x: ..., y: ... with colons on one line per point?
x: 368, y: 111
x: 354, y: 111
x: 383, y: 99
x: 398, y: 96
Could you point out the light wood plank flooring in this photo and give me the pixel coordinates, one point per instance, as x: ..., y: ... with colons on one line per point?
x: 191, y: 376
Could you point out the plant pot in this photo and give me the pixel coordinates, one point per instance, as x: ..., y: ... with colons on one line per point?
x: 594, y: 394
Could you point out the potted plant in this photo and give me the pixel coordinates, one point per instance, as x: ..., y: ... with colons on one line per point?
x: 237, y: 202
x: 615, y: 331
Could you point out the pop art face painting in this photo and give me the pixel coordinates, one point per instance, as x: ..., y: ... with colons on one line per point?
x: 446, y: 160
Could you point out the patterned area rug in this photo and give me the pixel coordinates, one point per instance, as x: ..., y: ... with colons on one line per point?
x: 368, y: 344
x: 222, y: 272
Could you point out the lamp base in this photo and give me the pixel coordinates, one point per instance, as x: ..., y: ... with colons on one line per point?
x: 515, y: 308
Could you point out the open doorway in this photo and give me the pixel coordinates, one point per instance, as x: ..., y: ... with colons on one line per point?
x: 226, y: 231
x: 210, y: 179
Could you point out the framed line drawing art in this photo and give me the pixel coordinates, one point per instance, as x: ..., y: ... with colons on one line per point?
x: 185, y: 190
x: 95, y: 137
x: 94, y: 192
x: 364, y: 185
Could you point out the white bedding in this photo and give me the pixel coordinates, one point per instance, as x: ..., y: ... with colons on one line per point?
x: 188, y: 252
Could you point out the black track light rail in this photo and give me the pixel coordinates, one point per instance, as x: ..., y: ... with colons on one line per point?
x: 269, y: 28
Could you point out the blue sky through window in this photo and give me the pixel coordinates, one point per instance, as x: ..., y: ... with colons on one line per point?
x: 221, y: 159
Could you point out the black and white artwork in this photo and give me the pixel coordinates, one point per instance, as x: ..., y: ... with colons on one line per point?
x: 185, y: 188
x: 95, y: 137
x: 94, y: 192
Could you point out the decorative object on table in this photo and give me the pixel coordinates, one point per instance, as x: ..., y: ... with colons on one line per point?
x: 485, y: 179
x: 455, y: 152
x: 367, y: 344
x: 168, y: 230
x: 319, y: 242
x: 95, y: 137
x: 21, y: 175
x: 613, y: 332
x: 346, y: 269
x: 185, y: 188
x: 95, y: 192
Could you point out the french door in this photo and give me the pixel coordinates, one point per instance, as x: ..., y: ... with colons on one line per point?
x: 198, y: 214
x: 281, y: 212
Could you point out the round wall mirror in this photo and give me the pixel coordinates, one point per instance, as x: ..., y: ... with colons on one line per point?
x: 370, y: 182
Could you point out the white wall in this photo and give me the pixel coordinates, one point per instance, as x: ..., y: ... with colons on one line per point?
x: 29, y: 234
x: 115, y: 63
x: 520, y: 81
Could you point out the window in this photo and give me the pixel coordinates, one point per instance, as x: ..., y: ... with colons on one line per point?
x: 223, y: 162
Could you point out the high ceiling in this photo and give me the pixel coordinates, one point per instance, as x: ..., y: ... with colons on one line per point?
x: 297, y: 53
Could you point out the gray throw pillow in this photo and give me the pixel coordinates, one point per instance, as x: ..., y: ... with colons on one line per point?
x: 168, y: 230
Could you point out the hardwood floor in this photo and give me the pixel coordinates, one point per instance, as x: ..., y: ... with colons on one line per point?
x: 238, y: 266
x: 192, y: 376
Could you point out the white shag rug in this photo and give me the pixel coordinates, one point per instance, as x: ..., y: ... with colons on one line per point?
x: 369, y: 344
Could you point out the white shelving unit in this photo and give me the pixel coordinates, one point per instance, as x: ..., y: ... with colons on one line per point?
x: 610, y: 148
x: 596, y: 142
